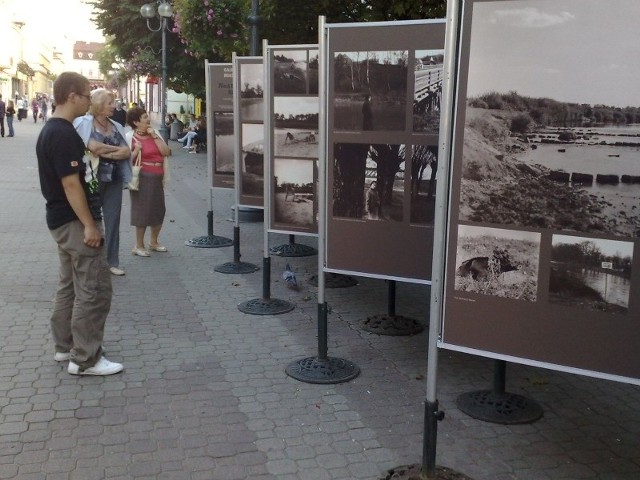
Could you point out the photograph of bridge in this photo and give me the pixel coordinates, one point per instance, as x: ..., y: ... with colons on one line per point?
x: 427, y: 92
x: 370, y: 91
x: 551, y: 137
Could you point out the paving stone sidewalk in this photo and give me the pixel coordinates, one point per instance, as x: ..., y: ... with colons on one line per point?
x: 204, y: 394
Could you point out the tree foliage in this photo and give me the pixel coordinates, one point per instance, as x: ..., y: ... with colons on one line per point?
x: 213, y: 29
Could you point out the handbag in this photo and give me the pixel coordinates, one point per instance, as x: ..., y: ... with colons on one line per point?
x: 134, y: 184
x: 105, y: 171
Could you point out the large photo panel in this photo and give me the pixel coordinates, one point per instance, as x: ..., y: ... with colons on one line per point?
x: 383, y: 113
x: 293, y: 109
x: 221, y: 123
x: 542, y: 259
x: 250, y: 134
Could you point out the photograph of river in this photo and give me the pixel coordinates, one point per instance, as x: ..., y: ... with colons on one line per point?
x: 591, y: 273
x: 551, y: 139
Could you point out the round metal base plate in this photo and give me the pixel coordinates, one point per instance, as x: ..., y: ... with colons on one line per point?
x: 414, y: 472
x: 213, y: 241
x: 293, y: 250
x: 265, y: 306
x: 326, y: 371
x: 236, y: 267
x: 334, y: 280
x: 502, y: 408
x: 393, y: 325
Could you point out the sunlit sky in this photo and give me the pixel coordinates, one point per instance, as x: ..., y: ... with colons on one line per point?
x: 583, y: 51
x: 54, y: 21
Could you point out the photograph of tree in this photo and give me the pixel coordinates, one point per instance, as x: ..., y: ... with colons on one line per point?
x: 314, y: 66
x: 497, y: 262
x: 368, y: 181
x: 424, y: 166
x: 294, y: 201
x: 252, y: 158
x: 223, y: 138
x: 251, y: 92
x: 427, y: 91
x: 591, y: 273
x: 552, y: 124
x: 290, y: 72
x: 370, y: 90
x: 296, y: 126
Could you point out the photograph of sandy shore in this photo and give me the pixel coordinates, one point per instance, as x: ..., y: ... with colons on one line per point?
x: 551, y: 133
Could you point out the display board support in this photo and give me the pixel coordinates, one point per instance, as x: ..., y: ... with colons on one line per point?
x: 236, y: 266
x: 322, y: 368
x: 292, y: 249
x: 266, y: 305
x: 392, y: 324
x: 497, y: 405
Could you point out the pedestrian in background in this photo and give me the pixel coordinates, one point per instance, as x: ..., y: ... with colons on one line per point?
x: 10, y: 112
x: 22, y: 109
x: 119, y: 114
x: 44, y: 109
x: 34, y: 109
x: 105, y: 139
x: 3, y: 111
x: 83, y: 299
x: 147, y: 204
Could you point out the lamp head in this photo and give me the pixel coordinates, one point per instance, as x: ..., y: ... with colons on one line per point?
x: 165, y: 10
x: 148, y: 10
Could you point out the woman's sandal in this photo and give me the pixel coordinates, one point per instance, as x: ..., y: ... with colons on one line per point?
x: 158, y: 248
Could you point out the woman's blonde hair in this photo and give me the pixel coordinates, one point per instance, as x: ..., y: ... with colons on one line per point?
x: 99, y: 98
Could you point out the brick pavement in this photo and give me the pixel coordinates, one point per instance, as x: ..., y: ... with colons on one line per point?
x: 204, y: 394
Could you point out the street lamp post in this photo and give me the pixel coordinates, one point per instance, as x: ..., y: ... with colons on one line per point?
x: 164, y: 12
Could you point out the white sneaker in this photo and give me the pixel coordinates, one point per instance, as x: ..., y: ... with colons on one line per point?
x: 62, y: 356
x: 103, y: 367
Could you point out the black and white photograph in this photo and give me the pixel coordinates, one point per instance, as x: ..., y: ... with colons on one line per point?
x: 294, y: 194
x: 251, y: 92
x: 252, y: 158
x: 296, y: 126
x: 370, y: 91
x: 290, y: 68
x: 368, y: 181
x: 552, y: 120
x: 424, y: 168
x: 497, y: 262
x: 427, y: 91
x: 314, y: 70
x: 590, y: 273
x: 223, y: 138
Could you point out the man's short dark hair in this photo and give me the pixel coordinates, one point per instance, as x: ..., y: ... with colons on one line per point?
x: 67, y: 83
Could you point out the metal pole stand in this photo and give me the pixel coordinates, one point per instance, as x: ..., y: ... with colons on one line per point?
x: 497, y: 406
x: 334, y: 280
x: 292, y: 249
x: 322, y: 369
x: 236, y: 266
x: 210, y: 240
x: 266, y: 305
x: 392, y: 324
